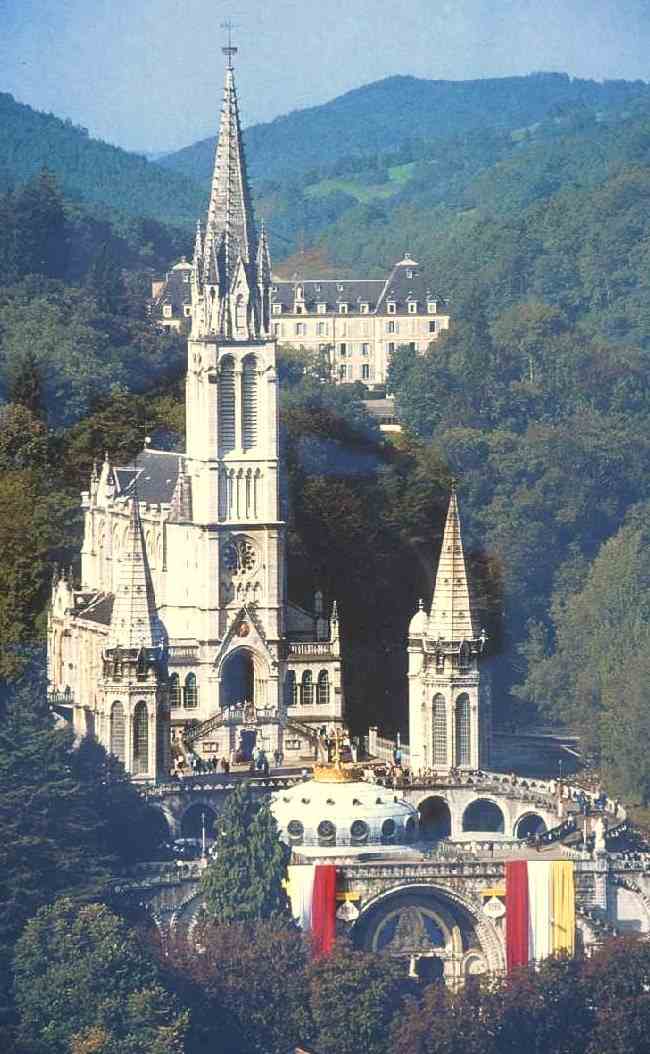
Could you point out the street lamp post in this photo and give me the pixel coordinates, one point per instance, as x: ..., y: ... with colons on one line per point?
x: 203, y: 833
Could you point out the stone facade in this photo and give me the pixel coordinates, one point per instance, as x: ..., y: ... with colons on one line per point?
x: 223, y: 648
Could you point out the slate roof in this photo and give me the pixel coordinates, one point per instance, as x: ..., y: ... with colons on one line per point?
x: 157, y: 473
x: 176, y: 291
x: 99, y: 609
x: 330, y: 291
x: 405, y: 282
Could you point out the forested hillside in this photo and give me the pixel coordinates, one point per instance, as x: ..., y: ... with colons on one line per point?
x: 89, y: 170
x: 382, y: 116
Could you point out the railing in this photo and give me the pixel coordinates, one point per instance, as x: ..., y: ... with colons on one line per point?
x: 183, y: 653
x: 294, y: 648
x: 237, y: 715
x: 64, y: 698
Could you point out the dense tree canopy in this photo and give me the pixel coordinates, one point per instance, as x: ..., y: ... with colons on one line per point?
x: 84, y: 983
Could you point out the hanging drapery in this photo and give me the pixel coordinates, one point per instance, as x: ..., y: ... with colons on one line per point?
x: 300, y: 890
x: 323, y: 909
x: 539, y: 907
x: 517, y: 914
x: 540, y: 910
x: 563, y: 907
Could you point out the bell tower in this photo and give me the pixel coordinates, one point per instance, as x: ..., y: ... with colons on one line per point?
x: 449, y: 701
x: 231, y: 393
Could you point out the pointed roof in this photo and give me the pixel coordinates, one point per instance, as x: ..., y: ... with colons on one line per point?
x: 134, y: 623
x: 453, y: 617
x: 230, y: 229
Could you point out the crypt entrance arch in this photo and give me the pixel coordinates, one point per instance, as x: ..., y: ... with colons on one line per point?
x: 430, y: 922
x: 243, y: 679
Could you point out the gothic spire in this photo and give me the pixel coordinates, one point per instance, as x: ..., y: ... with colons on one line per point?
x: 134, y: 623
x: 230, y: 224
x: 452, y: 617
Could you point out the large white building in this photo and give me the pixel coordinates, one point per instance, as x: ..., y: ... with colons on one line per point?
x: 182, y: 614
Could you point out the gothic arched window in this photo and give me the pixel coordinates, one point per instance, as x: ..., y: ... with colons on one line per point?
x: 439, y: 730
x: 240, y: 314
x: 291, y: 689
x: 249, y: 402
x: 190, y: 694
x: 117, y: 731
x: 323, y: 689
x: 174, y: 691
x: 463, y: 744
x: 227, y: 406
x: 140, y: 738
x: 307, y: 694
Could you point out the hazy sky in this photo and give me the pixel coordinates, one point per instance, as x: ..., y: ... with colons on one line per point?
x: 147, y: 74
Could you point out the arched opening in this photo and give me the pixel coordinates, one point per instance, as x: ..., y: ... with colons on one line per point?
x: 483, y: 815
x: 174, y: 691
x: 307, y: 689
x: 163, y: 745
x: 190, y: 693
x: 238, y: 679
x: 529, y: 825
x: 157, y: 826
x: 435, y: 819
x: 240, y: 315
x: 249, y: 402
x: 117, y: 732
x: 290, y: 689
x: 323, y: 689
x: 140, y: 738
x: 430, y: 968
x: 193, y: 820
x: 463, y: 745
x: 439, y: 730
x: 226, y: 401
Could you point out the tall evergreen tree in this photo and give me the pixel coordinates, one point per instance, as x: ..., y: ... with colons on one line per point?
x: 41, y: 228
x: 24, y: 384
x: 245, y: 882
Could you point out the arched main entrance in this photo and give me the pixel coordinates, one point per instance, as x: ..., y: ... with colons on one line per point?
x: 238, y: 679
x: 435, y: 819
x: 483, y: 815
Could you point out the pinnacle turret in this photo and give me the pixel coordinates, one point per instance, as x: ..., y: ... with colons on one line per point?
x: 134, y: 623
x: 452, y: 617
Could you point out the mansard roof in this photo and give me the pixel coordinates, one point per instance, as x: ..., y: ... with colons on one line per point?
x: 406, y: 282
x: 175, y: 292
x: 157, y: 474
x: 330, y: 291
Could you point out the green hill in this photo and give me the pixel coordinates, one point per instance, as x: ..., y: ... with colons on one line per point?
x: 89, y: 170
x: 388, y: 113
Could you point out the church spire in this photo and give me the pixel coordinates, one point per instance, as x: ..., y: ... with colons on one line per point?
x: 134, y: 623
x: 453, y: 617
x: 230, y: 213
x: 231, y: 287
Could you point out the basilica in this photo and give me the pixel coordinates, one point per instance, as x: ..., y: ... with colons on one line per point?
x: 180, y: 632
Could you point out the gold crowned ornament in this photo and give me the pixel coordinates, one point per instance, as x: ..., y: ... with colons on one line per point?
x: 337, y: 771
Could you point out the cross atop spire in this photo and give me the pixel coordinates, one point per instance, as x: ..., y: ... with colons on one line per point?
x: 229, y: 51
x: 453, y: 617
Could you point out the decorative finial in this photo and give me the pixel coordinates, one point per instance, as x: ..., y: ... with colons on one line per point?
x: 454, y: 484
x: 229, y: 51
x: 335, y: 611
x: 420, y: 604
x: 106, y: 461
